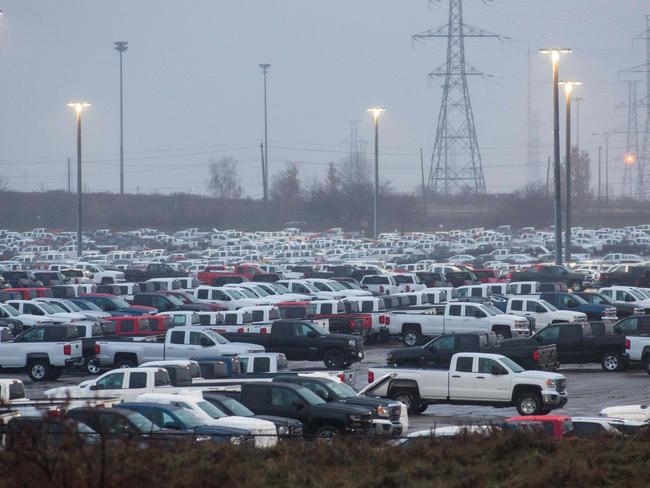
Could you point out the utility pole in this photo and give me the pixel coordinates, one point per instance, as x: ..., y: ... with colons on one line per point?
x: 456, y: 165
x: 631, y: 156
x: 376, y: 112
x: 79, y: 107
x: 607, y: 169
x: 69, y: 176
x: 568, y: 89
x: 265, y: 69
x: 424, y: 192
x: 578, y: 100
x: 264, y: 188
x: 121, y: 47
x: 600, y: 154
x: 548, y: 175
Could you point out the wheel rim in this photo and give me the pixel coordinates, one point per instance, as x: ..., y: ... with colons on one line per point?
x: 38, y: 371
x: 327, y: 435
x: 611, y: 362
x: 93, y: 367
x: 410, y: 339
x: 405, y: 399
x: 333, y: 360
x: 500, y: 336
x: 528, y: 405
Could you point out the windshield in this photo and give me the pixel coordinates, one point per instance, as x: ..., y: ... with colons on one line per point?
x: 215, y: 336
x: 514, y: 367
x: 638, y: 295
x: 234, y: 294
x: 335, y: 285
x: 580, y: 300
x: 189, y: 418
x: 310, y: 287
x: 309, y: 396
x: 318, y: 328
x: 9, y: 310
x: 120, y: 302
x: 86, y: 305
x: 56, y: 307
x: 50, y: 309
x: 281, y: 289
x: 72, y: 306
x: 548, y: 305
x: 175, y: 300
x: 247, y: 293
x: 492, y: 310
x: 210, y: 409
x: 342, y: 390
x: 142, y: 422
x: 236, y: 408
x: 260, y: 291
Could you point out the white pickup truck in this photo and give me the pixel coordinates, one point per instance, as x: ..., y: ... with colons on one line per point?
x: 472, y: 379
x: 43, y: 351
x: 543, y: 312
x: 100, y: 275
x: 178, y: 343
x: 638, y: 350
x: 43, y: 309
x: 454, y: 317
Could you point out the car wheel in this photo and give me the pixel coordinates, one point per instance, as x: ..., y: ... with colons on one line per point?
x: 577, y: 286
x: 334, y: 360
x: 92, y: 367
x: 502, y: 333
x: 646, y: 365
x: 411, y: 401
x: 529, y: 403
x: 125, y: 363
x: 55, y: 373
x: 39, y: 370
x: 411, y: 338
x: 611, y: 362
x: 327, y: 433
x: 421, y: 408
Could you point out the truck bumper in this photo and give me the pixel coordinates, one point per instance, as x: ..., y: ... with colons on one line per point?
x: 386, y: 427
x: 70, y: 363
x: 553, y: 399
x: 355, y: 356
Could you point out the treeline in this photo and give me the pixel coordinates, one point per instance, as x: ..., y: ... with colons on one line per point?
x: 319, y: 207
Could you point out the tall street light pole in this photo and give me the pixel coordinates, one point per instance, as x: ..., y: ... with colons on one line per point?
x: 376, y: 112
x: 79, y: 107
x: 568, y: 89
x: 265, y: 176
x: 555, y: 56
x: 121, y: 47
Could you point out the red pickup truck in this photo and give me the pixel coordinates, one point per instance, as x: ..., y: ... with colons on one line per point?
x: 25, y: 293
x: 247, y: 272
x: 558, y: 426
x: 140, y: 325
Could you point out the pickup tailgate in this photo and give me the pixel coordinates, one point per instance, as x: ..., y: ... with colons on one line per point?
x: 546, y: 357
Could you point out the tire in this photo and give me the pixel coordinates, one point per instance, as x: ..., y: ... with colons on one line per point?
x: 502, y: 333
x: 327, y: 433
x: 55, y: 373
x: 333, y: 359
x: 39, y: 370
x: 411, y: 337
x: 529, y: 403
x: 576, y: 286
x: 611, y: 362
x: 646, y: 364
x: 409, y: 399
x: 92, y: 367
x: 422, y: 407
x: 125, y: 363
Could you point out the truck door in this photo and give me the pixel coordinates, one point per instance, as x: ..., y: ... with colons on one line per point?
x: 551, y: 335
x: 462, y: 378
x: 492, y: 381
x: 438, y: 354
x: 454, y: 319
x: 571, y: 342
x: 302, y: 345
x: 473, y: 319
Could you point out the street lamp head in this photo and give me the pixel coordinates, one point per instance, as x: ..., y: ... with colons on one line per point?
x: 121, y: 46
x: 376, y: 111
x: 78, y: 106
x: 568, y: 85
x: 265, y: 67
x: 630, y: 159
x: 555, y: 52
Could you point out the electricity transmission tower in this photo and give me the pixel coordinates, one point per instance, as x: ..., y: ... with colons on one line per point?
x: 631, y: 157
x: 644, y: 155
x: 456, y: 164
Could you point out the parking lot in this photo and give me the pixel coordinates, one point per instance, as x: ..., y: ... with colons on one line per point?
x: 590, y: 389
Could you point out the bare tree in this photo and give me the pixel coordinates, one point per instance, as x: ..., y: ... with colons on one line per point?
x: 224, y: 179
x: 286, y: 184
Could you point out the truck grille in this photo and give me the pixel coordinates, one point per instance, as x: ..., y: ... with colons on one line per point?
x: 561, y: 385
x: 395, y: 413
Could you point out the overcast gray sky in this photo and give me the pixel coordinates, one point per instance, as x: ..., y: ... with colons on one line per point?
x: 193, y: 89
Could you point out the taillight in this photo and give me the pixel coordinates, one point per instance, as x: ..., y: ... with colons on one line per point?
x: 240, y: 330
x: 263, y: 330
x: 67, y: 350
x: 382, y: 319
x: 352, y: 324
x: 536, y: 355
x: 97, y: 348
x: 627, y: 343
x: 371, y: 376
x: 341, y: 376
x: 387, y: 319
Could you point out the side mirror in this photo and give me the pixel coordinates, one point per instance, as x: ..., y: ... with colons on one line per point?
x: 497, y: 370
x: 93, y: 387
x: 298, y: 404
x: 478, y: 314
x: 205, y: 342
x: 311, y: 334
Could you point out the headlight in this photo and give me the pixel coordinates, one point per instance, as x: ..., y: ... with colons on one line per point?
x: 355, y: 418
x: 382, y: 411
x: 352, y: 343
x: 283, y: 430
x: 202, y: 439
x: 550, y: 384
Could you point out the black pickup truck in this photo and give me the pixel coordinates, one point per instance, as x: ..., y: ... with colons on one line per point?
x: 302, y: 340
x: 167, y: 303
x: 622, y: 309
x: 546, y: 273
x: 633, y: 276
x: 320, y: 419
x: 154, y: 270
x: 576, y: 344
x: 437, y: 353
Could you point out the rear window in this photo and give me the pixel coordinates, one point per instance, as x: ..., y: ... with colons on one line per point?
x: 177, y: 337
x: 464, y: 364
x: 16, y: 390
x: 261, y: 365
x: 203, y: 294
x: 161, y: 378
x: 138, y: 380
